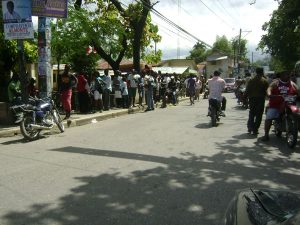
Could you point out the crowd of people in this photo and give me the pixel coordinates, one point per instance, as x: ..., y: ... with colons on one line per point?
x: 126, y: 90
x: 147, y: 89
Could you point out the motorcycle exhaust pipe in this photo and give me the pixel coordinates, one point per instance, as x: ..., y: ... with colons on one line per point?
x: 39, y: 127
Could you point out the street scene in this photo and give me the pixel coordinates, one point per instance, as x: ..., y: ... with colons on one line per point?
x: 144, y: 112
x: 168, y: 166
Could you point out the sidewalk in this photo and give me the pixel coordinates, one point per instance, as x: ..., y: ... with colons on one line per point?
x: 80, y: 119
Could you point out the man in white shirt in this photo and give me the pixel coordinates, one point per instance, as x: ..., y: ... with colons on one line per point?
x: 133, y: 84
x: 11, y: 15
x: 216, y: 86
x: 107, y: 90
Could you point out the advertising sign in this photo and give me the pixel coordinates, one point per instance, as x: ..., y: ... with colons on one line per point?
x: 17, y: 19
x: 50, y: 8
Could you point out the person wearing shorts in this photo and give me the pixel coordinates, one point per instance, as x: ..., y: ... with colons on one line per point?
x: 279, y: 87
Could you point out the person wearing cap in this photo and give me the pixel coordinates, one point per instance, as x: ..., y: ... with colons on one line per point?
x: 256, y: 91
x: 216, y: 86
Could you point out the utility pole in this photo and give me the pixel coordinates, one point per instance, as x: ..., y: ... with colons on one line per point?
x: 239, y: 52
x: 178, y: 38
x: 44, y: 61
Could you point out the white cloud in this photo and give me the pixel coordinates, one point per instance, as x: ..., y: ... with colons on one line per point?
x: 224, y: 17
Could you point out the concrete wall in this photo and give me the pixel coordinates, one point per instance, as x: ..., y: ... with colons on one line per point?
x: 222, y: 65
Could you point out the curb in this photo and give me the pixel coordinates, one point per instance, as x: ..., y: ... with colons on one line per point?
x: 86, y: 119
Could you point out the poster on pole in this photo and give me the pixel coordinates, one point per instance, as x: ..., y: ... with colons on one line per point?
x: 17, y: 19
x: 50, y: 8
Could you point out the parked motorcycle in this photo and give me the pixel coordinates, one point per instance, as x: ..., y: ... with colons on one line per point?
x: 215, y: 111
x: 288, y: 121
x: 262, y: 207
x: 37, y: 115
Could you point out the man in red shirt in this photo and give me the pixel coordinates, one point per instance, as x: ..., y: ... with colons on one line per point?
x: 279, y: 87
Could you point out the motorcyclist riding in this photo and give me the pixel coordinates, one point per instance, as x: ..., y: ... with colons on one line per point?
x: 216, y: 86
x: 279, y: 87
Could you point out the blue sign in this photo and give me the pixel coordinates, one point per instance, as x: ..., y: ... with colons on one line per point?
x: 50, y: 8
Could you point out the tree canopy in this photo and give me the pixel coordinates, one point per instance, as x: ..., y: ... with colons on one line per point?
x: 221, y: 45
x: 113, y: 31
x: 282, y: 38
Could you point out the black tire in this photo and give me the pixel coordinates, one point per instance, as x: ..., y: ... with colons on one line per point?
x: 58, y: 120
x: 29, y: 133
x: 213, y: 116
x: 291, y: 131
x: 277, y: 129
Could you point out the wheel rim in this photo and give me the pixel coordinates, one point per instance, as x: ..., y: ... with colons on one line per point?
x: 31, y: 132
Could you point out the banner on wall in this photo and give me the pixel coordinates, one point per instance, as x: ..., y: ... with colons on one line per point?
x: 17, y: 19
x: 50, y: 8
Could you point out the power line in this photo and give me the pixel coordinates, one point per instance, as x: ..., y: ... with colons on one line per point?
x: 234, y: 8
x: 225, y: 10
x: 181, y: 35
x: 172, y: 23
x: 216, y: 14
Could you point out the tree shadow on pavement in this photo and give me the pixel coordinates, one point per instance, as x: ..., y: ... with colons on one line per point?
x: 182, y: 190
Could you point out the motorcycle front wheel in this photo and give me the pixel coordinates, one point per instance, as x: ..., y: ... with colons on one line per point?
x: 27, y: 131
x: 58, y: 120
x: 277, y: 128
x: 291, y: 131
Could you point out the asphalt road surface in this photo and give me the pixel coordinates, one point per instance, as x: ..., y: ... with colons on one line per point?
x: 164, y: 167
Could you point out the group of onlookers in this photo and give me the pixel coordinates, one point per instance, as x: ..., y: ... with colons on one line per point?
x: 126, y: 90
x: 102, y: 92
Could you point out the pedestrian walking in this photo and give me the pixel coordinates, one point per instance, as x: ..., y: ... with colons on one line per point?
x: 191, y: 88
x: 198, y: 89
x: 256, y: 91
x: 67, y: 81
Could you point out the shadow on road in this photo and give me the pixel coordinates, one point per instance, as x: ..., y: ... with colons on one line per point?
x: 182, y: 190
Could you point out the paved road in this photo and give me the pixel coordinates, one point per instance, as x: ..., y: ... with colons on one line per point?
x: 166, y: 167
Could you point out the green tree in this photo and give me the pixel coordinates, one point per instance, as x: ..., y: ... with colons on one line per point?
x: 222, y: 45
x: 239, y: 49
x: 198, y: 53
x: 138, y: 18
x: 282, y: 38
x: 109, y: 28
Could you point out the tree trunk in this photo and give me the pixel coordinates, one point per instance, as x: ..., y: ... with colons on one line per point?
x: 137, y: 50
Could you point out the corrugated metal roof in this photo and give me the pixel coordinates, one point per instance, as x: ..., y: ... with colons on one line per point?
x: 216, y: 58
x: 171, y: 70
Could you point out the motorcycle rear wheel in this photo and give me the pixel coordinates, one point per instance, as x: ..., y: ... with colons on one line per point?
x: 292, y: 131
x: 27, y: 132
x: 58, y: 120
x: 213, y: 116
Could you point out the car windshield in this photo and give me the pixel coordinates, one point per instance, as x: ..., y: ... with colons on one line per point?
x: 229, y: 80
